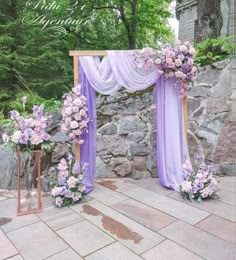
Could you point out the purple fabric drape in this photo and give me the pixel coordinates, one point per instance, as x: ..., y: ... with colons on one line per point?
x: 170, y: 145
x: 88, y: 148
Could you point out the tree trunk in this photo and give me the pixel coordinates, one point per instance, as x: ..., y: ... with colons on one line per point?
x: 209, y: 21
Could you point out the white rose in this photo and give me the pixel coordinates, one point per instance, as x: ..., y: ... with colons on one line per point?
x: 74, y: 125
x: 72, y: 182
x: 16, y: 136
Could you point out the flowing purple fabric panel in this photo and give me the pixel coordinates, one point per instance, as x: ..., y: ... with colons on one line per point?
x: 88, y: 148
x: 170, y: 146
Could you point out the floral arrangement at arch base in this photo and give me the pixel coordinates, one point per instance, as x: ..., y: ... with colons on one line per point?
x: 69, y: 188
x: 29, y: 133
x: 171, y: 61
x: 199, y: 183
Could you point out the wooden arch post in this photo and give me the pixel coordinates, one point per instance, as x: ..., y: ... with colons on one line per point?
x: 77, y: 54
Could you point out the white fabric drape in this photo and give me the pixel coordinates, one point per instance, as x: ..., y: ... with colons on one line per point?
x: 117, y: 69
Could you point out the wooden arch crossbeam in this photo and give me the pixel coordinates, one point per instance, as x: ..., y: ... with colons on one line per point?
x: 77, y: 54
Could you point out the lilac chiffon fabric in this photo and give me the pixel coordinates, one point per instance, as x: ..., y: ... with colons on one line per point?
x: 170, y: 134
x: 88, y: 148
x: 171, y: 145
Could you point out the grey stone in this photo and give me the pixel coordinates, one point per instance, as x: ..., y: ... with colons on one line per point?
x: 207, y: 135
x: 136, y: 137
x: 60, y: 150
x: 138, y: 149
x: 226, y: 83
x: 108, y: 129
x: 217, y: 105
x: 208, y: 77
x: 138, y: 175
x: 199, y: 91
x: 228, y: 169
x: 198, y: 112
x: 121, y: 166
x: 102, y: 170
x: 140, y: 163
x: 111, y: 144
x: 59, y: 137
x: 193, y: 104
x: 54, y: 122
x: 130, y: 125
x: 214, y: 125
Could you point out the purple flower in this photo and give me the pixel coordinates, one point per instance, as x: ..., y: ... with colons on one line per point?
x: 76, y: 168
x: 24, y: 138
x: 59, y: 202
x: 14, y: 114
x: 38, y: 111
x: 24, y: 99
x: 45, y: 136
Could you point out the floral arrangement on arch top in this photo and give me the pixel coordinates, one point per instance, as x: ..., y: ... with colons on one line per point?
x: 75, y: 115
x: 29, y: 133
x: 171, y: 61
x: 69, y: 188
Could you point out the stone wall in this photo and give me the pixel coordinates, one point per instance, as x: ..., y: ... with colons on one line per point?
x: 126, y: 136
x: 186, y: 13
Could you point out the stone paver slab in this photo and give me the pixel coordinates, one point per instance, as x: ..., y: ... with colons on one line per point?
x: 8, y: 210
x: 84, y: 237
x: 143, y: 214
x: 118, y: 185
x: 169, y: 250
x: 106, y: 196
x: 228, y: 197
x: 36, y: 241
x: 151, y: 184
x: 17, y: 257
x: 213, y: 206
x: 219, y: 227
x: 66, y: 254
x: 225, y: 184
x: 199, y: 241
x: 115, y: 251
x: 7, y: 249
x: 133, y: 235
x: 57, y: 218
x: 167, y: 205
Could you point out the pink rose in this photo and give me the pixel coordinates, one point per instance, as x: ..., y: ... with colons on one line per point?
x: 178, y: 42
x: 190, y: 61
x: 181, y: 57
x: 158, y: 61
x: 82, y: 112
x: 191, y: 51
x: 69, y: 111
x: 165, y: 52
x: 187, y: 43
x: 194, y: 69
x: 171, y: 74
x: 178, y: 62
x: 183, y: 48
x: 171, y: 65
x: 178, y: 74
x: 77, y: 116
x: 160, y: 72
x: 169, y: 60
x: 172, y: 54
x: 75, y: 109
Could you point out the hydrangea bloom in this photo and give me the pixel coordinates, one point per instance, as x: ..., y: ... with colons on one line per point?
x: 74, y: 114
x: 171, y: 61
x: 199, y: 183
x: 69, y: 182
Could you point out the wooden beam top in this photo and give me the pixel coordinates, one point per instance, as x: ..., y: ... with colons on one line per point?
x: 87, y: 53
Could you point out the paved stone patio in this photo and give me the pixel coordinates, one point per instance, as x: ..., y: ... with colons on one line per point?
x: 123, y: 219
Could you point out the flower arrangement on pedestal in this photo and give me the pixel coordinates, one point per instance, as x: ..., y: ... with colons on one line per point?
x: 29, y: 132
x: 200, y: 183
x: 69, y: 188
x: 171, y: 61
x: 75, y: 116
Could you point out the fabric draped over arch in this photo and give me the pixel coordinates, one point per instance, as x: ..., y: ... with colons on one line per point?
x: 119, y: 69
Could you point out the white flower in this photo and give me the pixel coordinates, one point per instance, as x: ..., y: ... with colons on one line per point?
x: 36, y: 139
x: 77, y: 116
x: 16, y: 136
x: 74, y: 125
x: 82, y: 188
x: 186, y: 186
x: 158, y: 61
x: 69, y: 111
x: 5, y: 138
x: 55, y: 191
x: 178, y: 62
x: 77, y: 102
x: 191, y: 51
x: 82, y: 112
x: 72, y: 182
